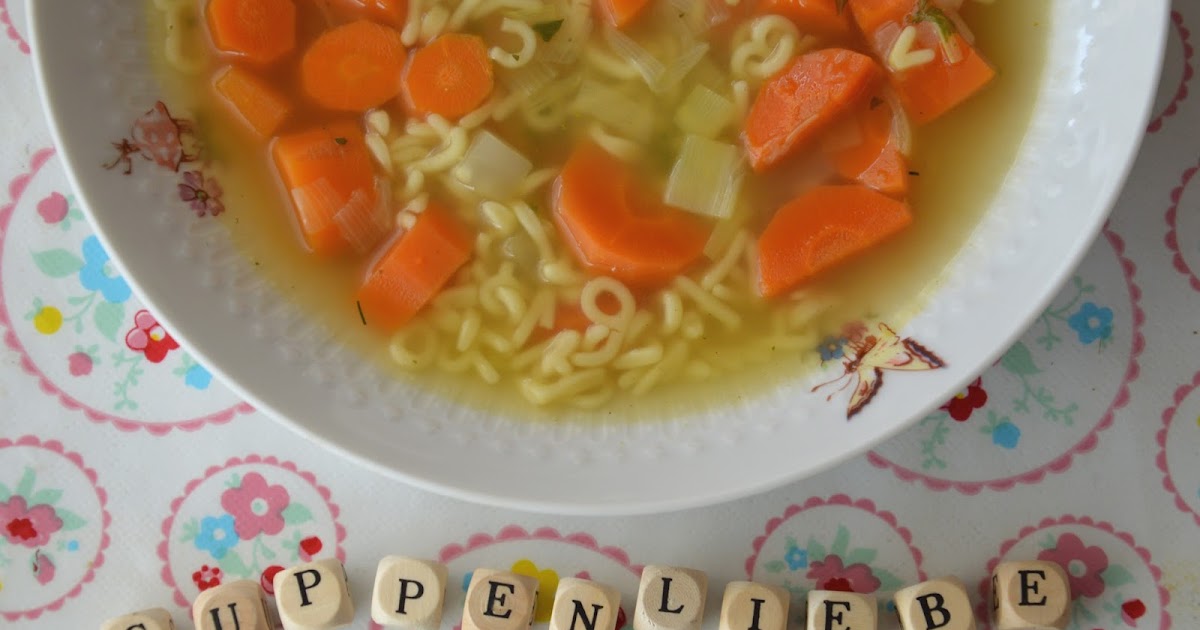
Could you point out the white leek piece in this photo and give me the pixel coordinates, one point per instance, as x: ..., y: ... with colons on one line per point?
x: 492, y: 168
x: 706, y: 178
x: 704, y: 112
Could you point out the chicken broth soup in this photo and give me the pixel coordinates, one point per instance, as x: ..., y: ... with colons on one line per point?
x: 632, y: 206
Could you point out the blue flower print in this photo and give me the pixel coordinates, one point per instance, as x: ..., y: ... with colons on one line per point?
x: 832, y: 348
x: 1006, y: 435
x: 197, y: 377
x: 1092, y: 323
x: 217, y: 535
x: 796, y: 558
x: 98, y: 274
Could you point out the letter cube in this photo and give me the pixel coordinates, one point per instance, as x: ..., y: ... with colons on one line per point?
x: 940, y: 604
x: 754, y: 606
x: 834, y: 610
x: 670, y: 598
x: 314, y: 596
x: 239, y: 605
x: 152, y: 619
x: 584, y: 605
x: 499, y: 600
x: 1031, y: 595
x: 409, y: 593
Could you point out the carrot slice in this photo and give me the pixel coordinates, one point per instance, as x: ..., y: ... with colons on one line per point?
x: 821, y: 229
x: 823, y: 18
x: 322, y: 169
x: 620, y: 13
x: 263, y: 107
x: 414, y: 268
x: 451, y: 76
x: 354, y: 67
x: 876, y: 161
x: 803, y: 99
x: 927, y: 90
x: 260, y: 31
x: 618, y: 229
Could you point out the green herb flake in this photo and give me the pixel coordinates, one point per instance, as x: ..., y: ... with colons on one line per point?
x: 876, y: 102
x: 841, y: 5
x: 927, y: 12
x: 547, y: 30
x: 360, y: 313
x: 340, y: 140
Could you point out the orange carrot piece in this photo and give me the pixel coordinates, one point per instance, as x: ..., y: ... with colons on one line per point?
x: 414, y: 268
x: 928, y: 90
x: 390, y: 12
x: 876, y: 161
x: 451, y: 76
x: 821, y: 229
x: 819, y: 17
x: 260, y: 31
x: 617, y: 229
x: 620, y: 13
x: 261, y: 106
x: 802, y: 100
x: 354, y: 67
x: 322, y: 168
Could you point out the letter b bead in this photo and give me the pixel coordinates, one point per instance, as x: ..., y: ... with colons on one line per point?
x: 940, y: 604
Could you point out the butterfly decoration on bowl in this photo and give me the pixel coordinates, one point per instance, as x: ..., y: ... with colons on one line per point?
x: 869, y: 355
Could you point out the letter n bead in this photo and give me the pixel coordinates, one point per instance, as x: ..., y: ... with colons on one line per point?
x: 584, y: 605
x: 409, y: 593
x: 314, y: 596
x: 1030, y: 595
x: 940, y: 604
x: 499, y: 600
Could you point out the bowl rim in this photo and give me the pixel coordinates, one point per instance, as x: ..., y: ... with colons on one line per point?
x: 40, y: 16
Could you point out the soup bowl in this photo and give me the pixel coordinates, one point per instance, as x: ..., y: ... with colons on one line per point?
x: 98, y: 79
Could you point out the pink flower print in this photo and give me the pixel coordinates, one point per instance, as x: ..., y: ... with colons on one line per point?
x: 204, y: 195
x: 23, y: 525
x: 149, y: 338
x: 830, y: 575
x: 1083, y: 564
x: 257, y: 507
x: 53, y: 209
x: 43, y: 568
x: 80, y: 364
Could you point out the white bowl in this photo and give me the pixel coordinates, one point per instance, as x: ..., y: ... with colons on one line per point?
x: 1092, y: 108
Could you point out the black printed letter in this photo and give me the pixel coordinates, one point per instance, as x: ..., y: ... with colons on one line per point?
x: 405, y: 595
x: 1031, y: 586
x: 495, y: 597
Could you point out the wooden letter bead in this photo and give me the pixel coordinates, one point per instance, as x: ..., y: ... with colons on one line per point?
x: 1033, y: 595
x: 314, y: 596
x: 239, y: 605
x: 584, y: 605
x: 940, y: 604
x: 409, y: 593
x: 152, y: 619
x: 499, y: 600
x: 754, y: 606
x: 834, y: 610
x: 670, y: 598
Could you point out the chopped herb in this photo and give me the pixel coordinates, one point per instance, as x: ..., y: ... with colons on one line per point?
x: 841, y: 5
x: 915, y: 173
x: 360, y: 313
x: 340, y: 140
x: 934, y: 15
x: 547, y: 30
x: 876, y: 102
